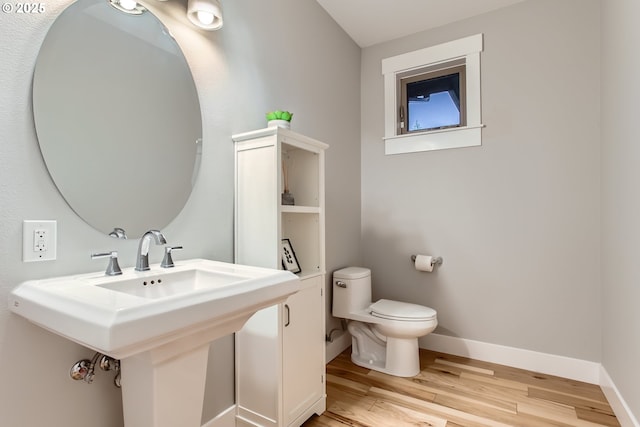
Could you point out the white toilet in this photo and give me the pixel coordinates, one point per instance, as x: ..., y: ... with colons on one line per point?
x: 384, y: 334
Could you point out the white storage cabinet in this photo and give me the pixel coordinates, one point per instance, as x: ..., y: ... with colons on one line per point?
x: 280, y: 352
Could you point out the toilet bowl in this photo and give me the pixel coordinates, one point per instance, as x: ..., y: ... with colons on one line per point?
x: 385, y: 333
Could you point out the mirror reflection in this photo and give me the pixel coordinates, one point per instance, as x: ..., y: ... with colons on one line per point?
x: 117, y: 117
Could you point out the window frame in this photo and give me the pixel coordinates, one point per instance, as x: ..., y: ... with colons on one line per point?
x: 465, y: 51
x: 405, y: 79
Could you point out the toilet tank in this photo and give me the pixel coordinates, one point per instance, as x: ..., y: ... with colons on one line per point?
x: 351, y: 290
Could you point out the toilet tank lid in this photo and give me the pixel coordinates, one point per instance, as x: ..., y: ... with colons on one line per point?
x: 351, y: 273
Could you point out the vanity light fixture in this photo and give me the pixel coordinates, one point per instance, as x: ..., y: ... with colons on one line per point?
x: 206, y: 14
x: 128, y: 6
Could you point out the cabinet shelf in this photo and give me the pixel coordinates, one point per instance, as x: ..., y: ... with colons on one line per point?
x: 300, y: 209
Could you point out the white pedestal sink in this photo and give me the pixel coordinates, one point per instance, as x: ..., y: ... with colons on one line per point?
x: 159, y: 323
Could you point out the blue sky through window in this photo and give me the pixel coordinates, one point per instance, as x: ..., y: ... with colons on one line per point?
x: 438, y: 111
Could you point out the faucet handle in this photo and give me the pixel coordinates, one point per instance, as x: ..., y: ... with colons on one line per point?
x: 113, y: 269
x: 167, y: 261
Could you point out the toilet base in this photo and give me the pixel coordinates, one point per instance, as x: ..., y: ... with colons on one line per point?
x: 397, y: 356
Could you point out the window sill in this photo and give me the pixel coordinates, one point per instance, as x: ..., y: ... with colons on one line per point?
x: 440, y: 139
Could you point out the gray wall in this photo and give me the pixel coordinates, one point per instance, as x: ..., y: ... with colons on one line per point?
x: 277, y: 54
x: 517, y: 219
x: 621, y: 205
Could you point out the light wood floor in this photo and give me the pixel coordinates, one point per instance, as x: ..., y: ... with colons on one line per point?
x: 453, y: 391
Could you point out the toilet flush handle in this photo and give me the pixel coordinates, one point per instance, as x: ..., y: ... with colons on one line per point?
x: 341, y: 284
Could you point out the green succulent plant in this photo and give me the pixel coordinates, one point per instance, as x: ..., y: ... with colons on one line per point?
x: 279, y: 115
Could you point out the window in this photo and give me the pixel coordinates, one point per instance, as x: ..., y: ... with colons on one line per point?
x: 432, y: 97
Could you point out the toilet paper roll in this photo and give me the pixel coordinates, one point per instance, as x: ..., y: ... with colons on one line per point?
x: 424, y: 263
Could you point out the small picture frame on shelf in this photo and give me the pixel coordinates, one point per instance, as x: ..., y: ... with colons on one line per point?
x: 289, y: 260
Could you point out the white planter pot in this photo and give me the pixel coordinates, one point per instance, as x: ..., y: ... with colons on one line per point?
x: 279, y: 123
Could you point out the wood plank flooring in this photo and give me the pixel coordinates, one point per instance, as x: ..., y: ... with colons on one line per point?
x: 453, y: 391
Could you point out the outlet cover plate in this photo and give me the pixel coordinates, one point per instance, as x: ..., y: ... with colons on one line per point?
x: 39, y: 240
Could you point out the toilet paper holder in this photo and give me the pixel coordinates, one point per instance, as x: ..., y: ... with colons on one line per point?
x: 435, y: 261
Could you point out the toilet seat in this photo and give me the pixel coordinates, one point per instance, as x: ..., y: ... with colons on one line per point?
x: 402, y: 311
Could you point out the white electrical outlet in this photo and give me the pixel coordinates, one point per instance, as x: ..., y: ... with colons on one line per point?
x: 39, y: 240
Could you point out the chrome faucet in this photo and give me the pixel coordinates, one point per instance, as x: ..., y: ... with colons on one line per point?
x: 142, y: 261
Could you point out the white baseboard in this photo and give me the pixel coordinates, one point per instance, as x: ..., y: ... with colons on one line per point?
x: 550, y: 364
x: 618, y: 404
x: 339, y: 344
x: 226, y: 418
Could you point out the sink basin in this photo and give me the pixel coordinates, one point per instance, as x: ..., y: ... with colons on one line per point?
x: 124, y: 315
x: 173, y: 283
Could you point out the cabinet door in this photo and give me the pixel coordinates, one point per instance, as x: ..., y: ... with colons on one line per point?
x: 303, y: 355
x: 257, y: 199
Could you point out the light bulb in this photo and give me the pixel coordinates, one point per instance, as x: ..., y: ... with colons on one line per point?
x: 206, y: 14
x: 128, y: 4
x: 206, y: 18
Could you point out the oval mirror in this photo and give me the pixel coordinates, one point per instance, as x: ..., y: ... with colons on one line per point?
x: 117, y: 117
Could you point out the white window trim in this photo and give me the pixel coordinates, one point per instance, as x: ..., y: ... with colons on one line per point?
x: 470, y: 135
